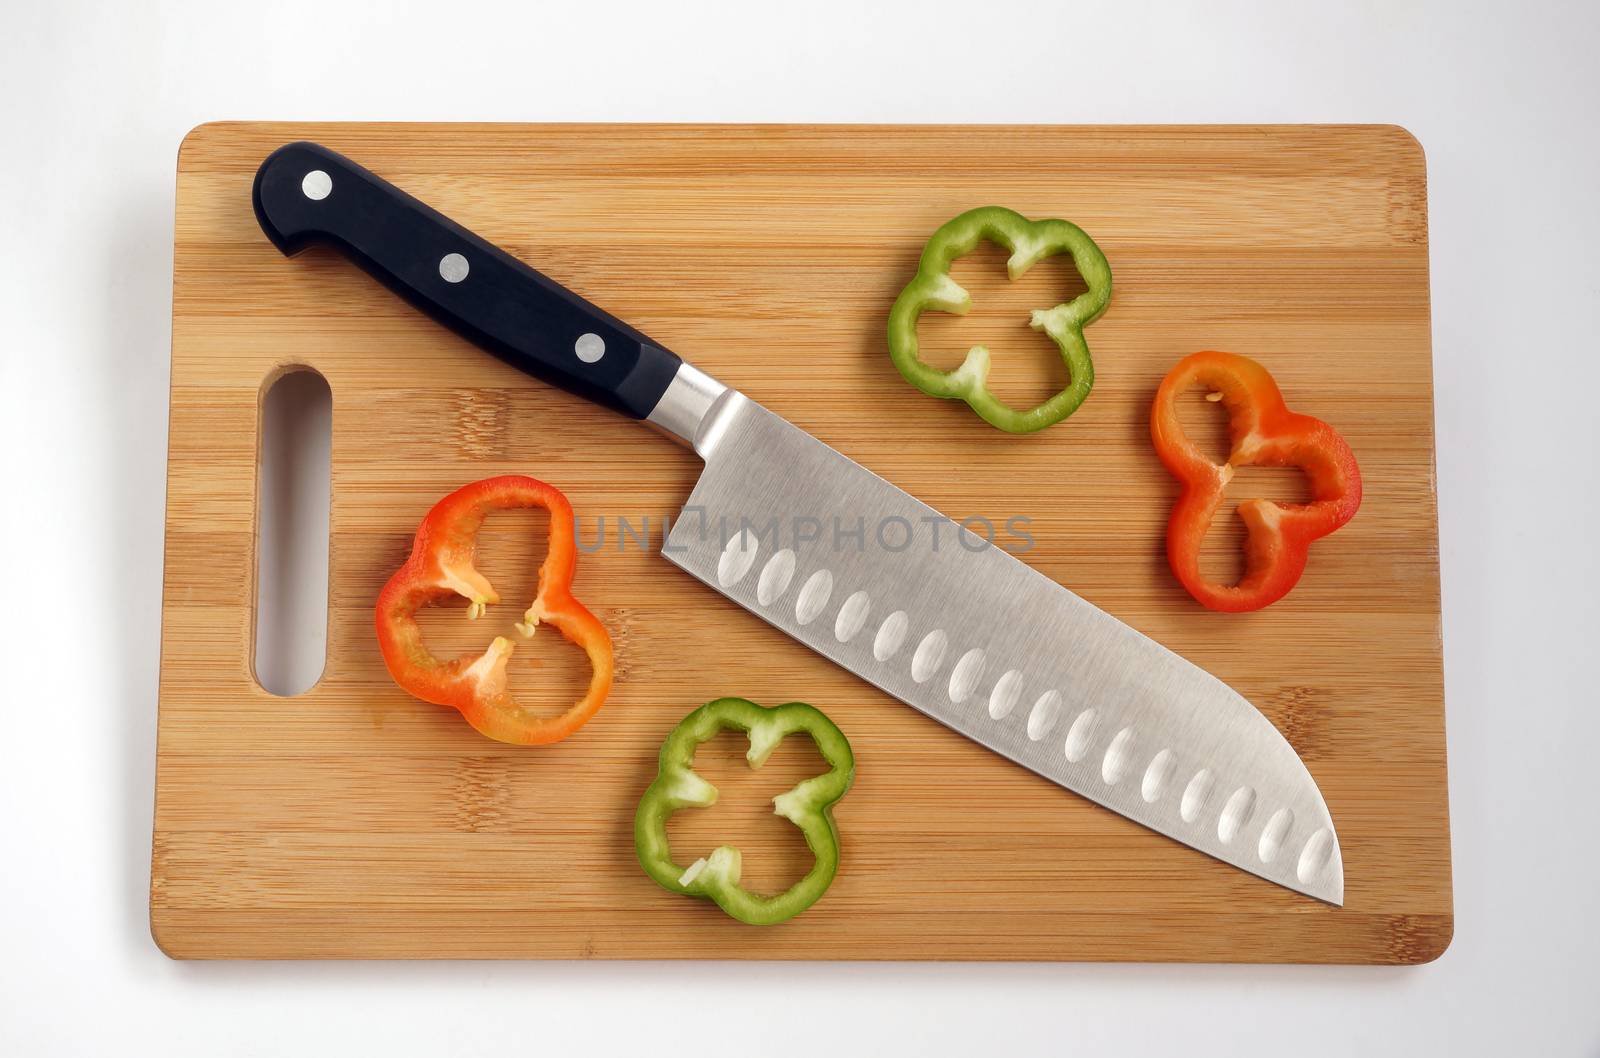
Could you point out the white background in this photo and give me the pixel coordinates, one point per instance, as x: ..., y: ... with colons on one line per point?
x: 93, y: 102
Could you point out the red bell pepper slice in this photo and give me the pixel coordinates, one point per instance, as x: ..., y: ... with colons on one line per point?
x: 441, y: 564
x: 1264, y: 433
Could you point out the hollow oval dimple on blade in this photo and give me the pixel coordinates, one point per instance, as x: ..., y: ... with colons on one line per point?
x: 775, y: 577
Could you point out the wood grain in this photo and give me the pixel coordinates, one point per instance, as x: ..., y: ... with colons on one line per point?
x: 354, y: 821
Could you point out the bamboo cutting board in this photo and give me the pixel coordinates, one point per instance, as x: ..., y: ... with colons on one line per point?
x: 355, y: 821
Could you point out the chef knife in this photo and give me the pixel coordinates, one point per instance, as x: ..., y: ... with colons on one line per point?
x: 852, y: 566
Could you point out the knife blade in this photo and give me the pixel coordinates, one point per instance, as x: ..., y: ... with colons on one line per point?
x: 965, y: 632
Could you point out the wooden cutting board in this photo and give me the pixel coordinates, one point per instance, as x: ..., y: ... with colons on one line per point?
x: 355, y: 821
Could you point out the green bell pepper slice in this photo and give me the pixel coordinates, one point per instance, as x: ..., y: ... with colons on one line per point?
x: 1029, y: 242
x: 808, y: 806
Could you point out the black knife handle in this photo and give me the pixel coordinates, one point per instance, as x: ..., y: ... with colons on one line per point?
x: 305, y: 193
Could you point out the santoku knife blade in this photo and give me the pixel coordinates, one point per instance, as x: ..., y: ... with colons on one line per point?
x: 850, y: 565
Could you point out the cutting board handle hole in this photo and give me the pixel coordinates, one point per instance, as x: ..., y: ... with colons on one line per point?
x: 294, y: 488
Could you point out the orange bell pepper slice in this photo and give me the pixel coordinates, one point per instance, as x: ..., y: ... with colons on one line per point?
x: 1264, y: 433
x: 441, y: 564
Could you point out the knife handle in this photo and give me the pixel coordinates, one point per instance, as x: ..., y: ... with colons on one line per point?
x: 305, y: 194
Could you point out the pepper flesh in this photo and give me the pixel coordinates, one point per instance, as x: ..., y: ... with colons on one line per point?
x: 1028, y: 242
x: 808, y: 806
x: 441, y: 564
x: 1264, y: 433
